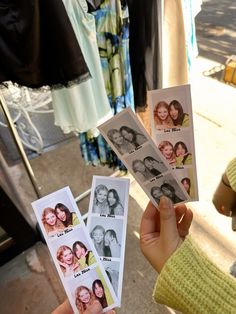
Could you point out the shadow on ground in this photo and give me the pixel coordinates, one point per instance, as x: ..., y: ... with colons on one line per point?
x: 215, y: 30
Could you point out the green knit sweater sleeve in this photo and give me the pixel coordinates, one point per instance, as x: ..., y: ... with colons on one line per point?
x: 189, y: 282
x: 231, y: 173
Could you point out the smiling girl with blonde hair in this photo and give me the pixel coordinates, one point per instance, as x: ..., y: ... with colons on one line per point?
x: 161, y: 115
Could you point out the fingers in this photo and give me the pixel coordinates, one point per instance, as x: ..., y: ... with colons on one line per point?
x: 150, y: 222
x: 64, y: 308
x: 167, y: 220
x: 172, y: 219
x: 180, y: 210
x: 222, y: 210
x: 161, y: 231
x: 149, y: 236
x: 185, y: 223
x: 184, y: 217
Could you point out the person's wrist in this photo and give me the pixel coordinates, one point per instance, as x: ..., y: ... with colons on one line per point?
x: 169, y: 251
x: 170, y: 239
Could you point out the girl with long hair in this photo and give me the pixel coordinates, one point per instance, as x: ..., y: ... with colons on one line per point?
x: 86, y: 302
x: 67, y: 217
x: 183, y: 157
x: 187, y: 184
x: 154, y: 166
x: 85, y: 257
x: 167, y: 150
x: 132, y: 136
x: 169, y: 191
x: 51, y: 224
x: 97, y: 235
x: 141, y: 170
x: 100, y: 204
x: 120, y: 143
x: 161, y: 115
x: 114, y: 203
x: 177, y: 114
x: 99, y: 292
x: 67, y: 261
x: 156, y: 193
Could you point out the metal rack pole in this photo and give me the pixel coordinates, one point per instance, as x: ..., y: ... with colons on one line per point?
x: 19, y: 146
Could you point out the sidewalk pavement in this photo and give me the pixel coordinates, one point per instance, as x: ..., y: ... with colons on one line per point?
x: 214, y: 106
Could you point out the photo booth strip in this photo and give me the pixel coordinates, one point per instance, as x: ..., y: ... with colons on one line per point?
x: 108, y: 212
x: 131, y: 154
x: 185, y: 169
x: 73, y: 271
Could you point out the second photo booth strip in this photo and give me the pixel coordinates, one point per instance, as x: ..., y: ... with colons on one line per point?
x: 145, y: 161
x: 107, y: 225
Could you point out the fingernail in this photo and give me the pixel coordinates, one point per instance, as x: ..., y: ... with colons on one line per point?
x: 165, y: 201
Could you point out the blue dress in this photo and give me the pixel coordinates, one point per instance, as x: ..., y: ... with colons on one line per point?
x: 112, y: 26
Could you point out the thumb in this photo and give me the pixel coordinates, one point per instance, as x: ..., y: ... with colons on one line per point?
x: 168, y: 228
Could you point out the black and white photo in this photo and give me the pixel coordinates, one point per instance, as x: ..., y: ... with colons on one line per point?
x: 112, y: 271
x: 107, y: 223
x: 106, y: 235
x: 108, y: 199
x: 168, y: 187
x: 146, y: 163
x: 125, y: 134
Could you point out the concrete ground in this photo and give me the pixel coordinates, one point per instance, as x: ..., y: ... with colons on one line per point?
x: 29, y: 283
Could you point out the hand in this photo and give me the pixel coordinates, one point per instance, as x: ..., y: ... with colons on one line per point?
x: 224, y: 197
x: 76, y: 266
x: 162, y: 232
x: 64, y: 308
x: 100, y: 312
x: 64, y: 265
x: 96, y: 308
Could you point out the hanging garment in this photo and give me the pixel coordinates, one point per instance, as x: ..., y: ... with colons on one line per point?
x: 153, y: 44
x: 84, y: 106
x: 145, y: 48
x: 96, y: 151
x: 38, y: 46
x: 137, y: 51
x: 175, y: 70
x: 112, y: 26
x: 93, y: 4
x: 189, y: 11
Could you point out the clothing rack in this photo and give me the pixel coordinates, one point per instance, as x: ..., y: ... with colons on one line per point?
x: 19, y: 146
x: 35, y: 184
